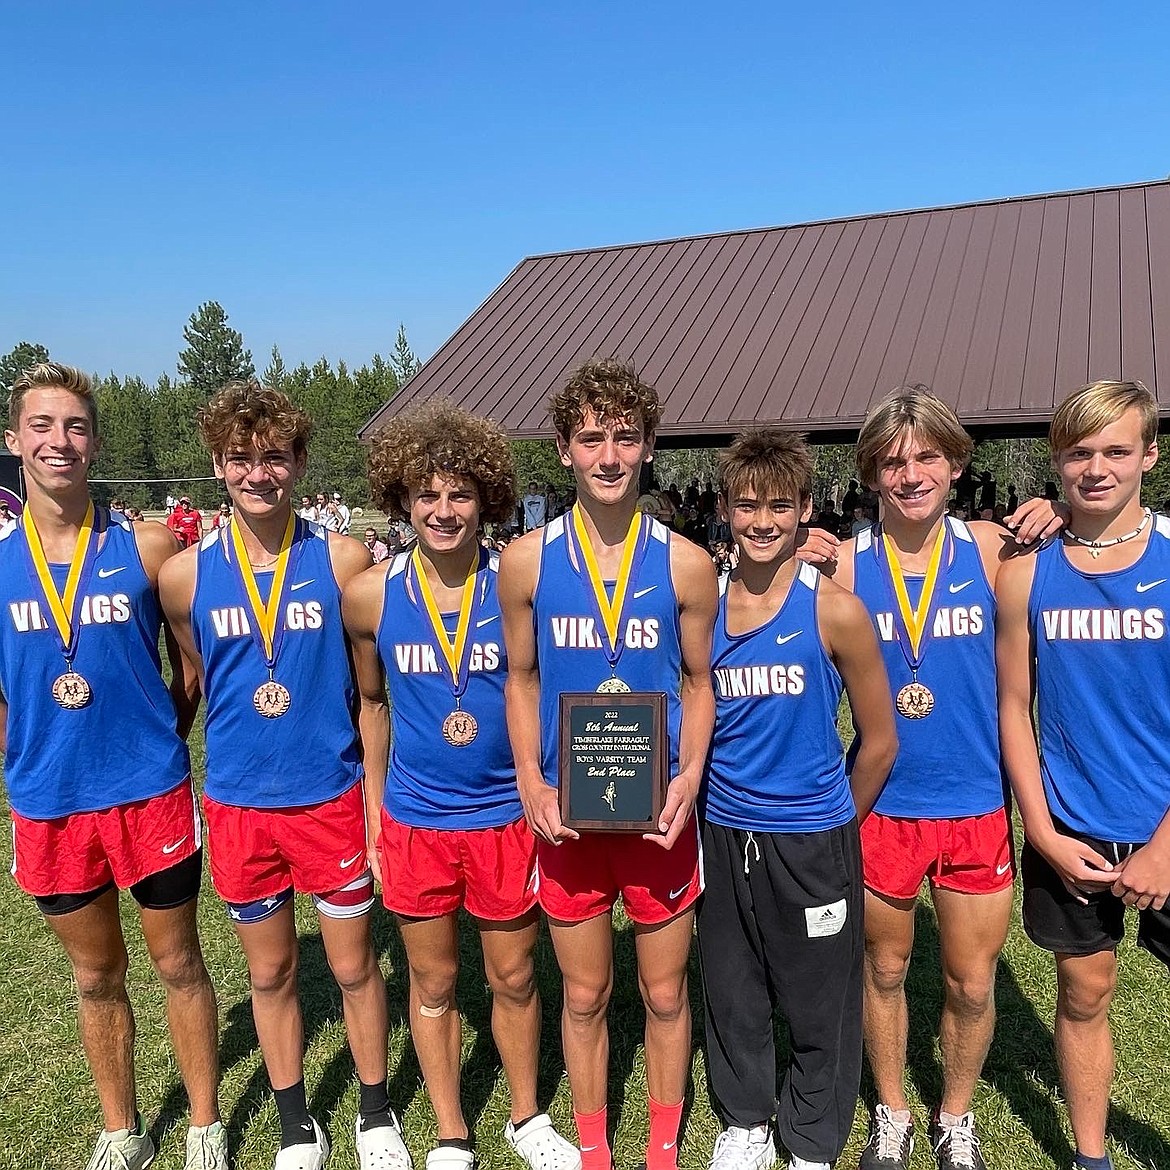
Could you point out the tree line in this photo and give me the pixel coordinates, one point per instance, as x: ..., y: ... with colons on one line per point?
x: 148, y: 429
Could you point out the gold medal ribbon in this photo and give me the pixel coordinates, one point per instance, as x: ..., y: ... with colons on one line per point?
x: 611, y: 612
x: 266, y: 616
x: 915, y: 619
x: 61, y: 606
x: 452, y: 649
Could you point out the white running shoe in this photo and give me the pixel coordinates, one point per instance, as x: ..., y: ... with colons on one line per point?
x: 382, y: 1147
x: 450, y: 1158
x: 539, y: 1144
x: 122, y: 1149
x: 207, y: 1147
x: 305, y: 1155
x: 744, y: 1149
x: 804, y: 1164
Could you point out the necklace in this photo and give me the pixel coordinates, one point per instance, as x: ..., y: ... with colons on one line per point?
x: 1095, y: 546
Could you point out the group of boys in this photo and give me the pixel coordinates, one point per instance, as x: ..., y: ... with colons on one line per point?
x: 443, y: 788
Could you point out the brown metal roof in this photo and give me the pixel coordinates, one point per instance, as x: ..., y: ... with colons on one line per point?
x: 1002, y: 307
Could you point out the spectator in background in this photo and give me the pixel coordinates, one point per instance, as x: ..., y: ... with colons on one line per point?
x: 338, y: 515
x: 987, y: 491
x: 134, y: 515
x: 117, y: 506
x: 222, y: 516
x: 186, y: 522
x: 1050, y: 491
x: 171, y: 502
x: 852, y: 498
x: 378, y: 550
x: 860, y: 520
x: 1013, y: 499
x: 534, y: 507
x: 307, y: 510
x: 6, y: 516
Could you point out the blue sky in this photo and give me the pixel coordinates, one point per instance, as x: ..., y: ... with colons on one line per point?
x: 326, y: 171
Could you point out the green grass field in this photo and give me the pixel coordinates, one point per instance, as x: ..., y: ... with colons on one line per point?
x: 49, y: 1117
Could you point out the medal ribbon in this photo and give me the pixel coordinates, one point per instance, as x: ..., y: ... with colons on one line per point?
x: 266, y: 627
x: 609, y: 612
x: 456, y: 651
x: 63, y: 606
x: 915, y: 622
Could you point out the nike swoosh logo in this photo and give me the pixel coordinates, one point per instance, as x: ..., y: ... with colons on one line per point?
x: 486, y: 621
x: 350, y: 860
x: 1000, y: 870
x: 679, y: 892
x: 642, y: 592
x: 962, y: 585
x: 668, y: 1145
x: 588, y: 1149
x: 169, y: 849
x: 103, y: 573
x: 782, y: 638
x: 301, y: 584
x: 1142, y: 586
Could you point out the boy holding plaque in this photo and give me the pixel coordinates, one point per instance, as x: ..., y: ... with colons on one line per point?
x: 928, y: 582
x: 1082, y: 634
x: 780, y: 921
x: 607, y: 599
x: 451, y: 830
x: 98, y: 780
x: 257, y: 609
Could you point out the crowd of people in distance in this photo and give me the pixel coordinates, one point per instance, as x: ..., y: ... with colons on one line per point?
x: 384, y: 723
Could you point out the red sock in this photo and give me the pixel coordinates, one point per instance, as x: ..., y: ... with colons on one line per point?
x: 594, y: 1144
x: 662, y: 1149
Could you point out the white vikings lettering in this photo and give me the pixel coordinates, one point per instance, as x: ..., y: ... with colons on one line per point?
x: 304, y: 615
x: 580, y: 633
x: 952, y: 621
x: 231, y: 621
x: 749, y: 682
x: 1104, y: 625
x: 421, y: 658
x: 98, y: 609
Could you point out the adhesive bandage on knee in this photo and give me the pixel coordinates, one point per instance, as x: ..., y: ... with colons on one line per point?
x: 433, y: 1013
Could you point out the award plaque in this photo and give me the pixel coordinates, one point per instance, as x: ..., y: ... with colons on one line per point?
x: 614, y: 766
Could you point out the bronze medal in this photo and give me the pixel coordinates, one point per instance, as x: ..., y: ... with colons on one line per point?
x: 271, y: 699
x: 72, y: 691
x: 613, y: 686
x: 460, y: 729
x: 915, y: 700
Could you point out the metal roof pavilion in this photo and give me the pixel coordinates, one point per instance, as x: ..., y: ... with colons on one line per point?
x: 1002, y: 307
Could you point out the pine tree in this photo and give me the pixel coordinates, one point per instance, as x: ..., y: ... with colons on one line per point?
x: 17, y: 360
x: 405, y: 364
x: 275, y: 375
x: 214, y: 353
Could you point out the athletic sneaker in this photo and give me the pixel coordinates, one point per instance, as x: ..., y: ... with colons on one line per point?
x: 737, y: 1148
x: 382, y: 1147
x: 123, y: 1149
x: 956, y: 1147
x: 450, y: 1158
x: 890, y: 1142
x: 539, y: 1144
x: 207, y: 1147
x: 305, y: 1155
x: 802, y: 1164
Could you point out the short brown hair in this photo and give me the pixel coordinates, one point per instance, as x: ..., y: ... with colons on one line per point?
x: 776, y: 463
x: 437, y: 438
x: 52, y: 374
x: 609, y: 388
x: 1094, y: 406
x: 910, y: 410
x: 244, y: 410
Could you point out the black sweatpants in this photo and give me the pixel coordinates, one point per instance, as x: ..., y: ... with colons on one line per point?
x: 780, y: 928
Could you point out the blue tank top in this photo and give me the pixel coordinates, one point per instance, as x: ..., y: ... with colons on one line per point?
x: 1102, y: 687
x: 776, y: 762
x: 122, y: 746
x: 309, y: 754
x: 948, y: 764
x: 429, y: 783
x: 569, y: 649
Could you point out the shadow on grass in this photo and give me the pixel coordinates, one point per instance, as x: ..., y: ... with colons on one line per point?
x: 1021, y: 1065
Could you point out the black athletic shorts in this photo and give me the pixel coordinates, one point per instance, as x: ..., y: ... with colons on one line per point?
x: 1056, y: 921
x: 158, y: 891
